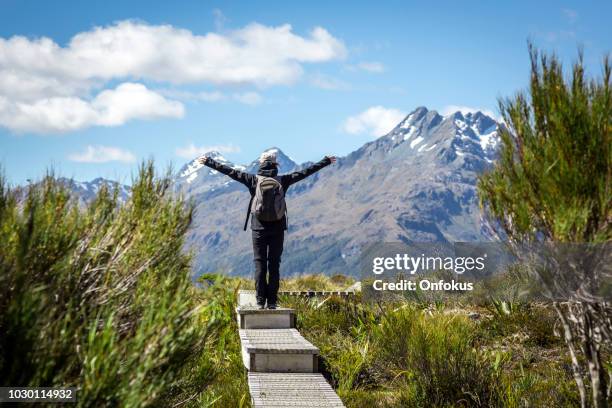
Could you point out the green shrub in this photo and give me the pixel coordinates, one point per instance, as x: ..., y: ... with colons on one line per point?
x: 348, y: 361
x: 535, y: 322
x: 435, y: 356
x: 317, y: 282
x: 99, y: 298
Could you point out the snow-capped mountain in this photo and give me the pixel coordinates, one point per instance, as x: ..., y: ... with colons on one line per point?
x: 417, y: 183
x: 285, y: 163
x: 195, y: 178
x: 470, y: 131
x: 87, y: 191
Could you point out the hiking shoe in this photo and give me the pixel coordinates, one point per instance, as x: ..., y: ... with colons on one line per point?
x: 260, y: 306
x: 272, y: 306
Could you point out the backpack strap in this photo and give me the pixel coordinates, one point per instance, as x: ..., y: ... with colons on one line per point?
x: 246, y: 221
x: 278, y: 179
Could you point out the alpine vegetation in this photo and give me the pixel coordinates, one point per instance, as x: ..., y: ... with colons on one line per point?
x: 99, y: 298
x: 552, y: 186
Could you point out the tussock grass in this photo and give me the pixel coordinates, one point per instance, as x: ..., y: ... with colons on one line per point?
x: 415, y: 353
x: 316, y: 282
x: 101, y: 298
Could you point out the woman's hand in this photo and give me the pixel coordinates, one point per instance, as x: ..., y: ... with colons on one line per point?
x: 332, y: 159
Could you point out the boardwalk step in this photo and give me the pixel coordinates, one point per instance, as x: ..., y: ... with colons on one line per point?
x: 276, y: 390
x: 314, y: 293
x: 247, y: 297
x: 278, y: 350
x: 250, y: 317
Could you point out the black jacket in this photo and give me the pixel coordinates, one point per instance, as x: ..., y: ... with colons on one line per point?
x: 269, y: 170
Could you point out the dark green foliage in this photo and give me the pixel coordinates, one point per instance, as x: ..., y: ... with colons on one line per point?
x: 413, y: 353
x: 531, y: 321
x: 553, y: 185
x: 436, y: 359
x: 554, y: 176
x: 98, y: 298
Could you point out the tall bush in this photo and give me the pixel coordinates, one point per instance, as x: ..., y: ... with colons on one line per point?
x: 99, y: 298
x: 553, y: 186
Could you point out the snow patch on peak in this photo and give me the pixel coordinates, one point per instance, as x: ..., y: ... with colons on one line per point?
x: 489, y: 141
x: 478, y: 127
x: 488, y: 137
x: 191, y: 177
x: 410, y: 133
x: 407, y: 123
x: 191, y: 170
x: 192, y: 167
x: 217, y: 156
x: 416, y: 142
x: 461, y: 124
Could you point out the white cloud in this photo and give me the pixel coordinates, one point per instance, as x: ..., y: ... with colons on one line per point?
x: 111, y: 107
x: 190, y: 151
x: 247, y: 98
x: 34, y: 73
x: 450, y: 109
x: 102, y: 154
x: 375, y: 121
x: 371, y: 66
x: 255, y: 54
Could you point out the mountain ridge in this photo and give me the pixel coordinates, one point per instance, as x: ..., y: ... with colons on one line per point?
x: 416, y: 183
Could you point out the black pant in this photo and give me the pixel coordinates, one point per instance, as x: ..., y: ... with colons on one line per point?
x: 267, y: 249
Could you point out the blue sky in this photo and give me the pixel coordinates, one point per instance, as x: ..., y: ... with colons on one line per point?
x: 90, y: 88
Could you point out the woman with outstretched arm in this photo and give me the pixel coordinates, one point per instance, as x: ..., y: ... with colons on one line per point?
x: 267, y: 210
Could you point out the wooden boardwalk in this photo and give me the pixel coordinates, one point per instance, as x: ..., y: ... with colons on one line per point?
x: 282, y: 365
x: 247, y: 297
x: 276, y: 341
x: 295, y: 390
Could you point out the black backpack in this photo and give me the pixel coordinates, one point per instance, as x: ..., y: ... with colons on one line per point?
x: 268, y: 203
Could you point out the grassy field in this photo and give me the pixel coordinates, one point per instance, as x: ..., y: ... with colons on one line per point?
x: 410, y: 353
x: 101, y: 298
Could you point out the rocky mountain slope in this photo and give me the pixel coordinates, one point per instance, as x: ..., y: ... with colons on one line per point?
x: 417, y: 183
x: 85, y: 191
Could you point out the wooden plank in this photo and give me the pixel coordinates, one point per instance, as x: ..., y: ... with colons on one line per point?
x: 247, y: 297
x: 295, y: 390
x: 250, y: 317
x: 314, y: 293
x: 282, y: 364
x: 256, y: 310
x: 280, y: 341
